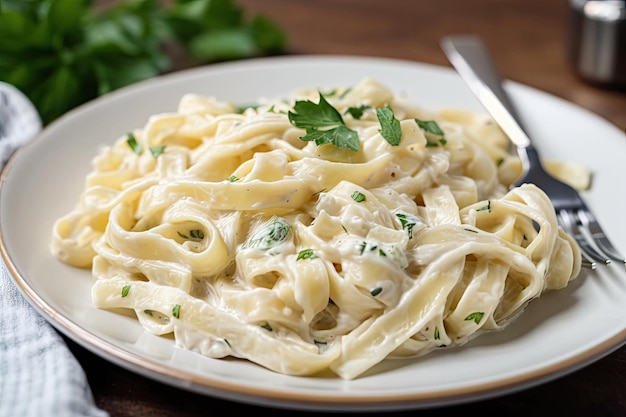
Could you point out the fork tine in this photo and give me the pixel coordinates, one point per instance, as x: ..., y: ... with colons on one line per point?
x: 587, y: 263
x: 571, y: 225
x: 603, y: 243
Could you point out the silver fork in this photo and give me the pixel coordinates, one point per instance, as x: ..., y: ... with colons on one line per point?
x: 472, y: 61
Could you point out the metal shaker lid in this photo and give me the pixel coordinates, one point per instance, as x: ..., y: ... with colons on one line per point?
x: 597, y: 40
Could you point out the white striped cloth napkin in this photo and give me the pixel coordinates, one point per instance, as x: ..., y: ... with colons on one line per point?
x: 39, y: 376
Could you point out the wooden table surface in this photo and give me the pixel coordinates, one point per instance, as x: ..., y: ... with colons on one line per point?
x: 528, y: 41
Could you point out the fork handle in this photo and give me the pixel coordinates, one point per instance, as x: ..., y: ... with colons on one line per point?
x: 472, y: 61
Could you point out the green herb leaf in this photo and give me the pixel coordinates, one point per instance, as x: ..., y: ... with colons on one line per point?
x: 389, y: 126
x: 306, y: 254
x: 341, y: 137
x: 362, y: 245
x: 486, y: 208
x: 233, y: 178
x: 476, y: 317
x: 194, y: 234
x: 430, y: 126
x: 432, y: 144
x: 432, y: 129
x: 309, y: 115
x: 157, y: 150
x: 358, y: 196
x: 134, y: 145
x: 408, y: 222
x: 357, y: 112
x: 376, y: 291
x: 176, y: 311
x: 125, y: 290
x: 269, y: 234
x: 323, y: 124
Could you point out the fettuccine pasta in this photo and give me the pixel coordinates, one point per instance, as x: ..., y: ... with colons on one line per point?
x: 228, y: 230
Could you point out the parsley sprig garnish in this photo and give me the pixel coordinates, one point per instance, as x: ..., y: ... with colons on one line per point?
x: 323, y: 124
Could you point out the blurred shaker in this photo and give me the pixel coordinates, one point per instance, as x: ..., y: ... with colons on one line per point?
x: 597, y: 41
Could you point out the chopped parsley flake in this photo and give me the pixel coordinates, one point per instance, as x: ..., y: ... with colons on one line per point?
x: 358, y: 196
x: 364, y: 247
x: 408, y: 222
x: 233, y: 178
x: 134, y: 145
x: 157, y: 150
x: 131, y: 140
x: 476, y: 317
x: 269, y: 235
x: 194, y: 234
x: 176, y: 311
x: 306, y: 254
x: 485, y: 208
x: 125, y: 290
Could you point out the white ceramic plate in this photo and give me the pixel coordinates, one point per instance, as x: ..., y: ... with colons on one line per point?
x: 557, y: 334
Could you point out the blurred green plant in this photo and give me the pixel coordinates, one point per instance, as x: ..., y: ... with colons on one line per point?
x: 62, y: 53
